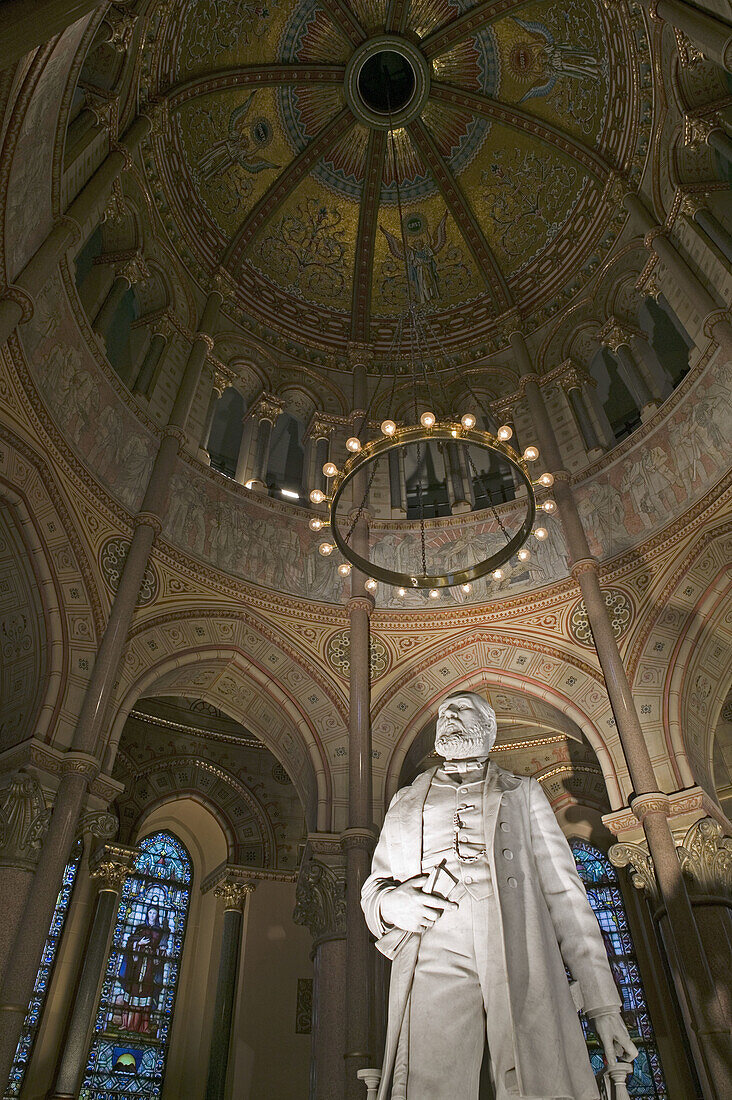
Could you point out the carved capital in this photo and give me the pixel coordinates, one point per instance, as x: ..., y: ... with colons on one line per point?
x: 98, y: 823
x: 234, y: 894
x: 697, y: 129
x: 221, y: 283
x: 508, y: 324
x: 320, y: 899
x: 359, y: 354
x: 655, y: 802
x: 360, y: 603
x: 21, y: 299
x: 121, y: 28
x: 149, y: 519
x: 24, y: 819
x: 364, y: 839
x: 110, y: 865
x: 583, y: 565
x: 716, y: 317
x: 220, y: 382
x: 642, y: 873
x: 135, y: 270
x: 80, y: 763
x: 706, y: 858
x: 657, y: 231
x: 115, y: 210
x: 616, y: 332
x: 268, y: 407
x: 690, y: 205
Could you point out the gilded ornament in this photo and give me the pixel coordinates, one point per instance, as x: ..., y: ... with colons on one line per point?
x: 705, y: 856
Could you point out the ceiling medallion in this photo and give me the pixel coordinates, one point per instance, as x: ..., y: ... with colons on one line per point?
x: 387, y: 82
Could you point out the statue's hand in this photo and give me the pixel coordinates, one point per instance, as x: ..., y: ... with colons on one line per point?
x: 613, y: 1034
x: 408, y: 908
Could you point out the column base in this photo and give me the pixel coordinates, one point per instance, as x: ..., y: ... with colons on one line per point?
x: 460, y: 507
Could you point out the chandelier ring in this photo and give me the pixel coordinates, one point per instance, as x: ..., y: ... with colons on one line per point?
x: 447, y: 432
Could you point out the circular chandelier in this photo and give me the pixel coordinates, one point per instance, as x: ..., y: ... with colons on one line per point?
x: 427, y: 432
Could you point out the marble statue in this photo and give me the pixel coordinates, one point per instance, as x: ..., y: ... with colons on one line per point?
x: 480, y: 960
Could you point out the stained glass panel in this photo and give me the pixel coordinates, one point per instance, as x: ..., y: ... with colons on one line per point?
x: 127, y: 1056
x: 43, y: 978
x: 601, y: 882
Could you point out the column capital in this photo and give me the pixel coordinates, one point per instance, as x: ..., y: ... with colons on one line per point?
x: 714, y: 318
x: 158, y: 111
x: 222, y: 283
x: 266, y: 407
x: 121, y: 27
x: 149, y: 519
x: 509, y: 324
x: 704, y: 853
x: 24, y: 820
x: 322, y: 425
x: 320, y: 899
x: 616, y: 332
x: 21, y: 299
x: 360, y: 603
x: 115, y: 209
x: 359, y: 353
x: 582, y: 565
x: 135, y: 270
x: 698, y: 127
x: 234, y: 893
x: 360, y: 837
x: 110, y: 865
x: 526, y: 378
x: 220, y: 382
x: 573, y: 376
x: 654, y: 802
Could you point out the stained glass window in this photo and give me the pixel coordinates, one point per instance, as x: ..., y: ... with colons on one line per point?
x: 43, y: 977
x: 127, y: 1056
x: 601, y: 882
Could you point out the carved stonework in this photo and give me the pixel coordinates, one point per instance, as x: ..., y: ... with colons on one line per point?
x: 234, y: 894
x: 98, y: 823
x: 706, y: 858
x: 115, y: 211
x: 135, y: 270
x: 110, y: 865
x: 320, y: 901
x: 24, y: 820
x: 642, y: 873
x: 268, y: 407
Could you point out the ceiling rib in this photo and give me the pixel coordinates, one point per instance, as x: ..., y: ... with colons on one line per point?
x: 524, y: 122
x: 367, y: 220
x: 286, y: 182
x: 465, y: 25
x: 246, y: 76
x: 346, y: 21
x: 397, y: 13
x: 462, y: 214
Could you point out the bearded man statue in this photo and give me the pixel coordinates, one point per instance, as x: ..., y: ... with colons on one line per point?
x: 475, y: 896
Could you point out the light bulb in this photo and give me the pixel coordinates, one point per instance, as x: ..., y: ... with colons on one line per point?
x: 326, y: 548
x: 317, y: 496
x: 344, y: 568
x: 465, y: 588
x: 401, y: 592
x: 497, y: 574
x: 434, y: 593
x: 330, y: 469
x: 547, y: 480
x: 316, y: 523
x: 388, y: 427
x: 524, y: 554
x: 353, y: 445
x: 371, y: 584
x: 541, y: 533
x: 505, y: 432
x: 531, y: 454
x: 427, y: 420
x: 549, y: 506
x: 468, y: 421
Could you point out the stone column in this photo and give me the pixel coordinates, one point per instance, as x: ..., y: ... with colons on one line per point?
x: 650, y: 366
x: 244, y: 460
x: 265, y: 414
x: 145, y: 377
x: 709, y: 1023
x: 127, y: 273
x: 319, y: 435
x: 709, y: 34
x: 17, y: 298
x: 572, y: 384
x: 82, y: 763
x: 694, y: 211
x: 321, y: 906
x: 218, y: 385
x: 109, y: 866
x: 29, y: 23
x: 708, y: 130
x: 617, y: 338
x: 598, y: 414
x: 397, y: 485
x: 359, y: 838
x: 234, y: 895
x: 458, y: 492
x: 714, y: 322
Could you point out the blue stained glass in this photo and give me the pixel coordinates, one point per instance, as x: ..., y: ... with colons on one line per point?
x: 127, y: 1056
x: 43, y: 978
x: 603, y: 892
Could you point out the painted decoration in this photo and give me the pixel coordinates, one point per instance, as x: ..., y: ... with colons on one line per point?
x: 127, y: 1057
x: 41, y: 985
x: 603, y: 891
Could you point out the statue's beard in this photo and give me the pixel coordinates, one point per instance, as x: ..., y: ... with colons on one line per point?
x: 465, y: 743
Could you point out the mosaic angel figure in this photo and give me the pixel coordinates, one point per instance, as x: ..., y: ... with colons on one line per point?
x: 421, y: 259
x: 546, y: 59
x: 240, y: 146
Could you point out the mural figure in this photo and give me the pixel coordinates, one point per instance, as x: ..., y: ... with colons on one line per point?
x: 141, y: 971
x: 421, y: 255
x: 474, y: 895
x: 543, y: 60
x: 240, y: 146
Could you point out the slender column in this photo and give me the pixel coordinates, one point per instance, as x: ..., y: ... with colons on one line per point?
x: 397, y: 484
x: 711, y: 1028
x: 17, y: 299
x: 110, y: 866
x: 110, y: 305
x: 456, y: 490
x: 149, y: 365
x: 234, y: 895
x: 81, y: 763
x: 28, y: 23
x: 218, y: 385
x: 320, y: 904
x: 266, y: 412
x: 714, y: 320
x: 245, y: 448
x: 320, y: 431
x: 573, y: 388
x: 359, y: 838
x: 617, y: 338
x: 654, y: 373
x: 698, y: 214
x: 710, y: 35
x: 598, y: 414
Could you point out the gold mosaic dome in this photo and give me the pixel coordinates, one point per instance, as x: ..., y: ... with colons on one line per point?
x: 273, y: 159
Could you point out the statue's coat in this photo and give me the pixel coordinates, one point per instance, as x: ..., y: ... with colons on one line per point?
x: 546, y: 915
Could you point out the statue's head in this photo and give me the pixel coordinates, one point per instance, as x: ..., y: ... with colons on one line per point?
x: 466, y: 726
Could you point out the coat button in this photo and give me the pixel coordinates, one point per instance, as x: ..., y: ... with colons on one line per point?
x: 505, y: 827
x: 468, y: 880
x: 507, y: 853
x: 512, y: 882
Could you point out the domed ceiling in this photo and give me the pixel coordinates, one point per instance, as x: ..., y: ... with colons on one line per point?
x: 275, y: 162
